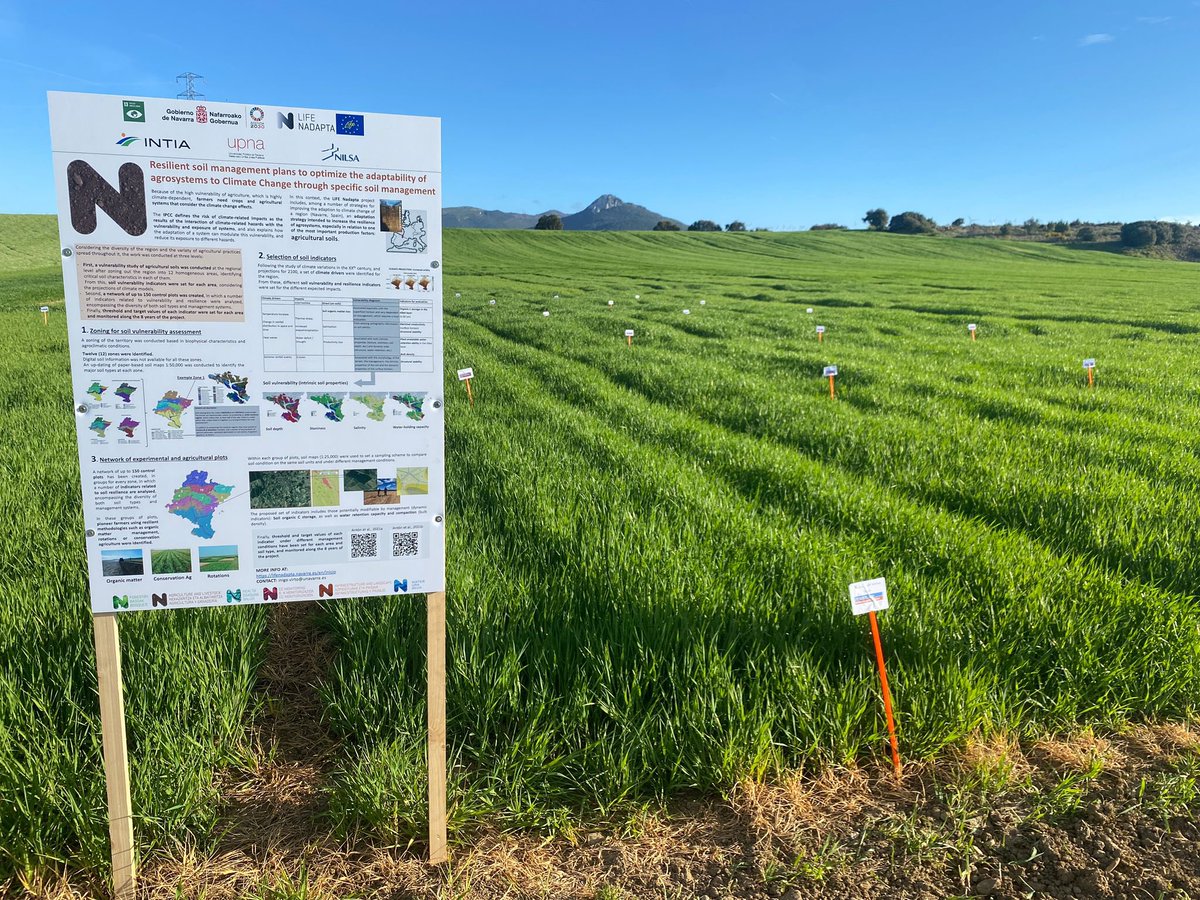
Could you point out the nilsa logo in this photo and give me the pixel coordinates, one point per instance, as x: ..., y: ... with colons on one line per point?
x: 127, y: 141
x: 333, y: 152
x: 158, y: 600
x: 201, y: 114
x: 325, y: 590
x: 349, y: 123
x: 121, y: 602
x: 271, y: 593
x: 256, y: 117
x: 399, y: 586
x: 87, y: 191
x: 233, y: 596
x: 246, y: 144
x: 133, y: 110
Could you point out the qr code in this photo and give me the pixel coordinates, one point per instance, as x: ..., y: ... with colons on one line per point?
x: 364, y: 545
x: 405, y: 543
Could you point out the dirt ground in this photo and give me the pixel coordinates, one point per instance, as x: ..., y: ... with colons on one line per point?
x: 1086, y: 817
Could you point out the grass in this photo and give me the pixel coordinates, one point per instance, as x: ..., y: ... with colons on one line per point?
x: 649, y: 547
x: 170, y: 562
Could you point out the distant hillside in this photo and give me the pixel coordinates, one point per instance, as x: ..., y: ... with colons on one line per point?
x: 605, y: 213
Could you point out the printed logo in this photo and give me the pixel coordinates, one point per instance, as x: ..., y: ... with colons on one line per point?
x: 286, y: 120
x: 347, y: 123
x: 256, y: 114
x: 400, y: 586
x: 121, y: 602
x: 335, y: 152
x: 302, y: 122
x: 133, y: 110
x: 127, y: 141
x: 158, y: 600
x: 271, y: 593
x: 325, y: 590
x: 233, y: 596
x: 201, y: 114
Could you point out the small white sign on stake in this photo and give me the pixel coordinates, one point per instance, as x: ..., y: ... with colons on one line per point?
x: 687, y: 312
x: 464, y: 374
x: 491, y: 303
x: 820, y: 329
x: 829, y: 371
x: 809, y: 309
x: 868, y: 596
x: 1089, y: 363
x: 610, y: 303
x: 702, y: 302
x: 545, y: 312
x: 43, y: 309
x: 628, y: 332
x: 971, y: 327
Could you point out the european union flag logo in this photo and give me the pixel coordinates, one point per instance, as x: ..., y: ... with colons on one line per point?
x: 350, y: 123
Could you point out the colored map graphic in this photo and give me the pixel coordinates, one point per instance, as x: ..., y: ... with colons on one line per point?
x: 332, y: 404
x: 97, y: 390
x: 127, y: 425
x: 125, y: 391
x: 100, y: 425
x: 171, y: 407
x: 289, y: 405
x: 413, y: 480
x: 412, y: 238
x: 326, y: 484
x: 234, y: 384
x: 373, y: 402
x: 414, y: 403
x: 197, y: 500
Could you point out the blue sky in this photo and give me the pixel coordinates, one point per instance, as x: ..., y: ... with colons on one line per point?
x: 779, y: 114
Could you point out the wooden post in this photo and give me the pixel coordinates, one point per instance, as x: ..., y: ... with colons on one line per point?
x: 435, y: 638
x: 887, y: 694
x: 1091, y: 378
x: 116, y: 755
x: 831, y: 397
x: 470, y: 396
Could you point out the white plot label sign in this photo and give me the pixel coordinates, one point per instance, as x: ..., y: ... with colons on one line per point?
x: 254, y: 304
x: 868, y: 596
x: 1089, y: 363
x: 466, y: 374
x: 829, y: 371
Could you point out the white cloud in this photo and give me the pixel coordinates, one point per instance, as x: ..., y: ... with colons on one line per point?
x: 1154, y: 20
x: 1090, y: 40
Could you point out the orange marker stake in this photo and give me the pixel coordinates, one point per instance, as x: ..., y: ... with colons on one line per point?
x: 830, y: 372
x: 867, y: 597
x: 971, y: 328
x: 1090, y: 365
x: 629, y: 337
x: 465, y: 376
x: 887, y: 694
x: 820, y: 334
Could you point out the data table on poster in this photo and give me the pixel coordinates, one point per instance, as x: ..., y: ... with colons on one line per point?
x: 360, y: 334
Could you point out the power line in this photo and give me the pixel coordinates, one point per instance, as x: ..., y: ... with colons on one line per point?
x: 189, y: 92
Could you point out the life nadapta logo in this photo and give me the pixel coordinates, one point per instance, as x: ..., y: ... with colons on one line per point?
x: 400, y: 585
x: 127, y: 140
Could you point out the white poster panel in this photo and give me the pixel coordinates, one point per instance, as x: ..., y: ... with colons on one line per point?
x: 254, y: 303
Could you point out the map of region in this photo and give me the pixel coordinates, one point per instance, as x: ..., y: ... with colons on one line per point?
x: 332, y: 404
x: 125, y: 391
x: 100, y: 425
x: 412, y: 238
x: 127, y: 425
x: 374, y: 403
x: 414, y: 403
x: 171, y: 407
x: 289, y: 405
x: 235, y: 385
x: 413, y: 480
x: 97, y: 390
x: 197, y: 500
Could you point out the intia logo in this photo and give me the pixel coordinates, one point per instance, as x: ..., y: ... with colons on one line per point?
x: 125, y: 141
x: 400, y: 585
x: 335, y: 152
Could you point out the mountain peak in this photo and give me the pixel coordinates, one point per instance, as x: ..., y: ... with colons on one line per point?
x: 605, y: 201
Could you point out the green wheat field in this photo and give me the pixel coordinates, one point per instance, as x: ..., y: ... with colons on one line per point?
x: 650, y: 546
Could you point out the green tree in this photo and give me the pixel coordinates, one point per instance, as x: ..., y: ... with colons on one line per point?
x: 958, y: 223
x: 876, y: 219
x: 1138, y: 234
x: 911, y: 223
x: 549, y: 222
x: 666, y: 225
x: 704, y: 225
x: 735, y: 225
x: 1086, y: 233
